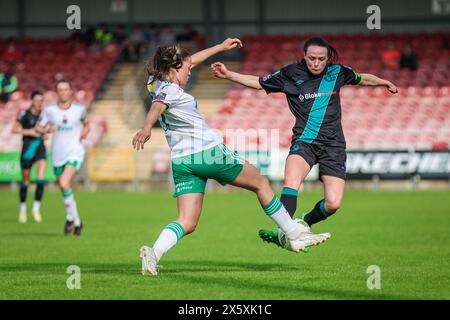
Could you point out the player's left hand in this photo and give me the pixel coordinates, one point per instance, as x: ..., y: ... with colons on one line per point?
x: 50, y: 129
x: 219, y: 70
x: 392, y: 88
x: 231, y: 43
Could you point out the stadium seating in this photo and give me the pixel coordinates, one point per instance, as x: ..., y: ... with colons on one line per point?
x: 46, y: 60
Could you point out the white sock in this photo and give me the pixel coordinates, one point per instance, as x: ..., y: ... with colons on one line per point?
x: 36, y: 206
x: 67, y: 204
x: 23, y: 207
x: 276, y: 211
x: 71, y: 207
x: 71, y: 210
x: 284, y: 220
x: 168, y: 238
x: 74, y: 213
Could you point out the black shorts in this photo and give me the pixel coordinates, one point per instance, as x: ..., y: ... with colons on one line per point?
x: 30, y: 155
x: 331, y: 160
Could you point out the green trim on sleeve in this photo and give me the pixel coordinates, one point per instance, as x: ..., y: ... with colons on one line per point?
x: 358, y: 77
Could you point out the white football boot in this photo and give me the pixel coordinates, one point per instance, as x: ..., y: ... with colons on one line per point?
x: 301, y: 238
x: 23, y: 216
x: 149, y: 261
x: 37, y: 216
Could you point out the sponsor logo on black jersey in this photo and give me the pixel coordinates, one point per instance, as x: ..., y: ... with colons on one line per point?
x: 314, y: 95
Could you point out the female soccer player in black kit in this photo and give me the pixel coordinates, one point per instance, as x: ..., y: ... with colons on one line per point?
x: 312, y: 89
x: 33, y: 152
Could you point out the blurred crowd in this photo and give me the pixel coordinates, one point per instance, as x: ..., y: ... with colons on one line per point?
x: 138, y: 42
x: 8, y: 82
x: 135, y: 44
x: 394, y: 59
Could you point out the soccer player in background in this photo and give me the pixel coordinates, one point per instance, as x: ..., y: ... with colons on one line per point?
x: 33, y: 152
x: 198, y: 154
x: 67, y: 121
x: 312, y: 89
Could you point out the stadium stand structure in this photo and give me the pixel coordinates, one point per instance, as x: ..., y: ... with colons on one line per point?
x: 46, y: 60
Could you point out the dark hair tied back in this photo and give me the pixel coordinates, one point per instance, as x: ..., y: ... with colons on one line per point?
x: 332, y: 53
x: 166, y: 57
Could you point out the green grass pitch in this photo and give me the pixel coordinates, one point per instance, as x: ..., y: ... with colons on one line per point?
x: 406, y: 234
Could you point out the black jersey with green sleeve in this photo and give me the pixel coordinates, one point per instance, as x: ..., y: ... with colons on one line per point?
x: 28, y: 120
x: 313, y: 100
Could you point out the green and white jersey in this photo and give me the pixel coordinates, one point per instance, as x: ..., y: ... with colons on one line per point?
x: 66, y: 143
x: 185, y: 129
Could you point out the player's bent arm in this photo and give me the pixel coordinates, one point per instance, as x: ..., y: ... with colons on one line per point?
x: 144, y: 134
x: 43, y: 130
x: 368, y: 79
x: 221, y: 71
x: 17, y: 129
x: 244, y: 79
x: 226, y: 45
x: 85, y: 130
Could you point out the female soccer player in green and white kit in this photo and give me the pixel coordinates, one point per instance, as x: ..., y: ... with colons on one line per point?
x: 198, y: 154
x: 68, y: 122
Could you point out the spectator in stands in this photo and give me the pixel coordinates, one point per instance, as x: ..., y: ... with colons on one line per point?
x: 102, y: 35
x: 188, y: 34
x: 12, y: 53
x: 391, y: 56
x: 120, y: 35
x: 166, y: 35
x: 8, y: 82
x: 88, y: 37
x: 408, y: 59
x: 151, y: 36
x: 134, y: 45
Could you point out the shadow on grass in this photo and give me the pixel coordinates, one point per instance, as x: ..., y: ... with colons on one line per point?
x: 296, y: 289
x: 193, y: 276
x: 34, y: 234
x: 201, y: 273
x: 9, y: 220
x: 183, y: 267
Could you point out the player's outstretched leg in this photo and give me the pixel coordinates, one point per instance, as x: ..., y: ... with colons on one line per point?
x: 295, y: 171
x: 167, y: 239
x: 37, y: 200
x: 297, y: 236
x: 73, y: 222
x: 289, y: 201
x: 39, y: 193
x: 277, y: 237
x: 189, y: 210
x: 23, y: 202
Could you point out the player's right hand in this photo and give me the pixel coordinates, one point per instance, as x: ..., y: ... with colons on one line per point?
x: 231, y: 43
x: 141, y: 138
x: 392, y: 88
x: 50, y: 128
x: 219, y: 70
